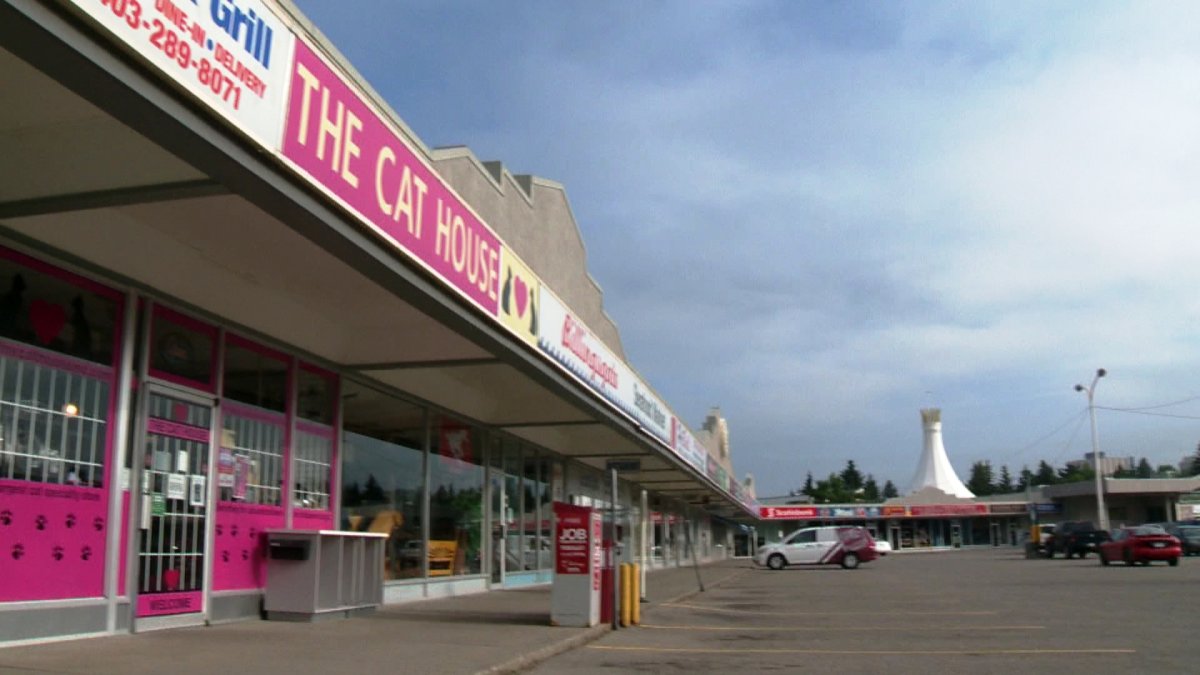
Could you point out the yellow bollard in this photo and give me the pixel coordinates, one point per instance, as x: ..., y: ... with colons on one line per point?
x: 636, y: 618
x: 626, y: 597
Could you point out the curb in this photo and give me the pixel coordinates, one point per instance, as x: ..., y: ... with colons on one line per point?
x: 525, y: 661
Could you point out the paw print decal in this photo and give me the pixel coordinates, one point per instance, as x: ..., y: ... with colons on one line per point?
x: 86, y: 553
x: 220, y: 529
x: 253, y: 532
x: 57, y: 553
x: 98, y: 523
x: 245, y: 554
x: 6, y: 517
x: 224, y: 556
x: 40, y: 522
x: 18, y: 551
x: 233, y: 530
x: 70, y: 520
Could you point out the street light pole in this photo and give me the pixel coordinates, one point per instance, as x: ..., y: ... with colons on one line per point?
x: 1101, y: 511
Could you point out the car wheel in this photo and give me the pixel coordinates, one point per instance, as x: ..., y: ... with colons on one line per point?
x: 1173, y: 562
x: 1082, y: 555
x: 1068, y: 554
x: 1129, y: 557
x: 1103, y: 559
x: 776, y: 562
x: 850, y: 561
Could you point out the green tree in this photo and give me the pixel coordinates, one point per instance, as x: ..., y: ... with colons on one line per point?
x: 889, y: 490
x: 1005, y: 484
x: 1026, y: 479
x: 1167, y: 471
x: 1144, y: 470
x: 1195, y: 468
x: 980, y: 481
x: 808, y: 485
x: 851, y: 478
x: 870, y: 490
x: 1045, y: 474
x: 1122, y: 472
x: 1074, y: 473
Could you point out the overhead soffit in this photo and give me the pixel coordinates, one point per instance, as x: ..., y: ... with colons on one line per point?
x: 53, y: 142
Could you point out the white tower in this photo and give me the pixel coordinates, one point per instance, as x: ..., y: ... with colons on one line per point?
x: 934, y: 469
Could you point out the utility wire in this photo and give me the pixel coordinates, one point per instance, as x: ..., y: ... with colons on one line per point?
x: 1142, y: 411
x: 1154, y: 407
x: 1057, y: 429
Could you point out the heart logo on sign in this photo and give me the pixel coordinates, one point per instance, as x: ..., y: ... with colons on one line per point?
x: 47, y: 320
x: 522, y: 296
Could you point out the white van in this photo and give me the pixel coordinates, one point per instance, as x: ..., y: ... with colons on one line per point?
x: 834, y: 545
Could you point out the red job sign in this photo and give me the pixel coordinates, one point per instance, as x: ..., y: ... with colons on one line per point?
x: 571, y: 538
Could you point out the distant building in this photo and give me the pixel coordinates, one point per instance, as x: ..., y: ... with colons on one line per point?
x: 1108, y: 465
x: 934, y: 469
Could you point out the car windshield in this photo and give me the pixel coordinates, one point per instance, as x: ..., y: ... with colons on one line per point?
x: 1190, y: 532
x: 1147, y: 530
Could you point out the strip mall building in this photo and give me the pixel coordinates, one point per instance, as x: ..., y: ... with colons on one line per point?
x: 240, y: 295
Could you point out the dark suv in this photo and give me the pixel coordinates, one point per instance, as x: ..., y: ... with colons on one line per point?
x: 1075, y: 538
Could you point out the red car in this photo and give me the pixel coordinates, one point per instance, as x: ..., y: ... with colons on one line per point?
x: 1141, y: 544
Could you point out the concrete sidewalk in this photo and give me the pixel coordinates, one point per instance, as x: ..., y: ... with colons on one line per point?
x: 496, y: 632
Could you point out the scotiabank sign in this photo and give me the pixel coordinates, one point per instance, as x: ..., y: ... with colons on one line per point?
x: 787, y: 512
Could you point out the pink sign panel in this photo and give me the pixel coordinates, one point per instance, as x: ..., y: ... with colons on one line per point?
x: 158, y: 604
x: 52, y: 541
x: 342, y: 144
x: 240, y: 547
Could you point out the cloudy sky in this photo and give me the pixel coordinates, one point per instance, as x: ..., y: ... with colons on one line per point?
x: 825, y: 216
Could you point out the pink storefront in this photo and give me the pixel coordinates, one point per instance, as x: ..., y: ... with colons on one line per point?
x: 222, y: 430
x: 238, y: 294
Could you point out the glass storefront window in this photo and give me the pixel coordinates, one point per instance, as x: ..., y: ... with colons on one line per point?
x: 455, y: 499
x: 182, y: 349
x: 315, y: 395
x: 383, y: 462
x: 255, y: 375
x: 52, y: 424
x: 250, y: 463
x: 514, y: 545
x: 53, y: 408
x: 57, y: 312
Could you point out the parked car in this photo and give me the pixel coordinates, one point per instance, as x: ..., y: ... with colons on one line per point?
x: 1075, y: 538
x: 845, y: 546
x: 1188, y: 536
x: 1141, y: 544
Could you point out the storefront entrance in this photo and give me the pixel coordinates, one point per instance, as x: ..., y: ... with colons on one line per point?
x: 172, y: 560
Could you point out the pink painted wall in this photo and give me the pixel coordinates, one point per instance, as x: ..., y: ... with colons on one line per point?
x: 304, y: 519
x: 240, y: 547
x: 52, y: 541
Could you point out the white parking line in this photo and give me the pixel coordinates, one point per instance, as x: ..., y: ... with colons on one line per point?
x: 813, y: 629
x: 867, y: 652
x: 875, y: 612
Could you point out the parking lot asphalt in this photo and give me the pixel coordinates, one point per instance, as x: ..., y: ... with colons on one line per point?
x: 502, y: 631
x: 962, y: 611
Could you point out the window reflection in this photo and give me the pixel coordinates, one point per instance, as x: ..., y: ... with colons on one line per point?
x: 455, y: 499
x: 382, y: 488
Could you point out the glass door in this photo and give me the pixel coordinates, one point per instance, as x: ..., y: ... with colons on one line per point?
x: 174, y: 504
